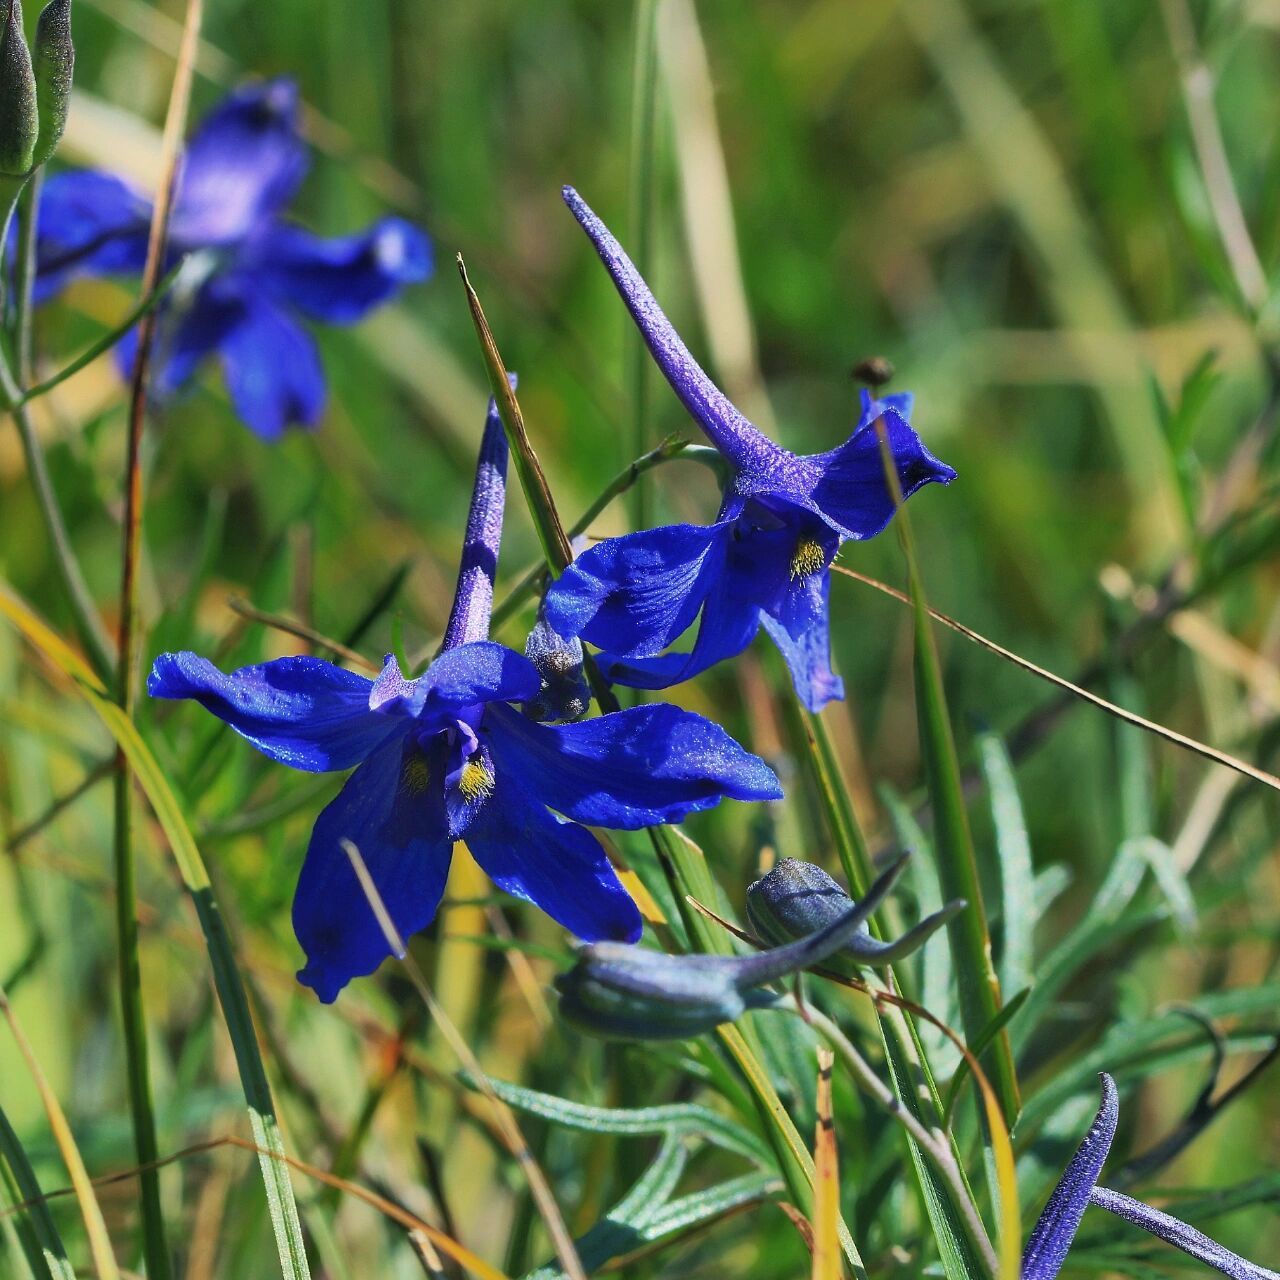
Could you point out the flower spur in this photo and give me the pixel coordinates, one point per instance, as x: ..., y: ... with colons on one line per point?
x: 447, y: 757
x: 765, y: 560
x: 253, y: 272
x: 1052, y: 1237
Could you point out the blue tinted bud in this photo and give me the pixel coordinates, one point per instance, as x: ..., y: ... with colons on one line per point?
x: 53, y: 62
x: 631, y: 993
x: 19, y: 121
x: 564, y: 694
x: 797, y: 898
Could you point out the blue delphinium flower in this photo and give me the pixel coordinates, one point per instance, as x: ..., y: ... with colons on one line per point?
x: 766, y: 559
x: 449, y: 756
x: 1051, y: 1239
x: 254, y: 272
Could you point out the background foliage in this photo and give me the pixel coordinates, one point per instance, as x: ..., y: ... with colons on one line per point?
x: 1003, y: 196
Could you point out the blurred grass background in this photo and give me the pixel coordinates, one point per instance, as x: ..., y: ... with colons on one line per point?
x: 1004, y: 198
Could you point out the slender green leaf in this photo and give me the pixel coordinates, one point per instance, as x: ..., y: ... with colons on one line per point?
x: 231, y: 994
x: 45, y: 1253
x: 1018, y: 914
x: 975, y: 974
x: 674, y: 1120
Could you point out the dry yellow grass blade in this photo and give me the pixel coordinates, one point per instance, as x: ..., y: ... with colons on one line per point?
x: 826, y: 1182
x: 104, y: 1262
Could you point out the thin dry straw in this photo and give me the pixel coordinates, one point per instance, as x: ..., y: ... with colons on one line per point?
x: 508, y: 1126
x: 388, y: 1208
x: 1129, y: 717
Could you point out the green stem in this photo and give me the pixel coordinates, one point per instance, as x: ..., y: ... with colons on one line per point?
x: 976, y: 980
x: 133, y: 1019
x: 644, y: 66
x: 670, y: 448
x: 88, y: 624
x: 26, y: 276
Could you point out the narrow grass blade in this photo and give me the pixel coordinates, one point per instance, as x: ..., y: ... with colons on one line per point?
x: 826, y: 1188
x: 46, y: 1254
x: 642, y: 149
x: 555, y: 546
x: 104, y: 1262
x: 231, y: 993
x: 674, y: 1120
x: 1017, y: 876
x: 975, y: 974
x: 796, y: 1163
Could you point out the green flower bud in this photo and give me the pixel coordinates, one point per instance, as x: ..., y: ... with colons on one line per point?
x: 797, y: 898
x: 622, y: 992
x: 19, y: 121
x: 54, y: 60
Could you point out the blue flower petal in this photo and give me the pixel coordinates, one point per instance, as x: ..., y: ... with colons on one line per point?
x: 635, y: 594
x: 849, y: 489
x: 272, y: 369
x: 241, y: 168
x: 90, y: 224
x: 302, y: 711
x: 390, y: 809
x: 1051, y: 1238
x: 558, y: 866
x: 184, y: 338
x: 340, y: 280
x: 730, y: 619
x: 470, y: 675
x: 629, y: 769
x: 801, y: 629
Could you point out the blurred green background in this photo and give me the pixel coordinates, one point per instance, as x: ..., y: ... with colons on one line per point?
x: 1002, y: 196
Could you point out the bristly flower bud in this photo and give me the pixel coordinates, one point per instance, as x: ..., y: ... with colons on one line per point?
x: 621, y: 992
x: 564, y: 694
x: 53, y: 62
x: 797, y: 898
x: 19, y: 120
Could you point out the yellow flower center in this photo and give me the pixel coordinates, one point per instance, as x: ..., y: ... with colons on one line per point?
x: 415, y: 774
x: 807, y: 559
x: 477, y: 779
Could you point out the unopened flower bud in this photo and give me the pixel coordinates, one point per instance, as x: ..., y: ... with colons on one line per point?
x: 53, y: 62
x: 564, y: 694
x: 797, y: 898
x: 622, y: 992
x: 19, y: 118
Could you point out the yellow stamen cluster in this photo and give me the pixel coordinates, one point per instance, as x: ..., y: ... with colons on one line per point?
x: 415, y: 774
x: 476, y: 781
x: 807, y: 559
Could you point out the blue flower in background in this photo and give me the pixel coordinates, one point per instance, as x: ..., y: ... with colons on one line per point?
x: 766, y: 559
x: 253, y: 275
x: 449, y: 756
x: 1055, y: 1231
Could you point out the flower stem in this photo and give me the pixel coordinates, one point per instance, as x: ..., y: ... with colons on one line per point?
x: 89, y: 625
x: 644, y: 66
x: 155, y: 1244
